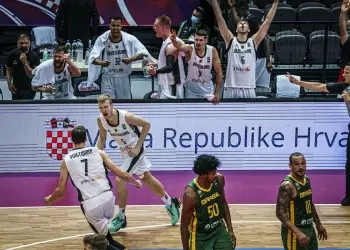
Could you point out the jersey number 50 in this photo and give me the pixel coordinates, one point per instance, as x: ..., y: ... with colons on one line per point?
x: 213, y: 210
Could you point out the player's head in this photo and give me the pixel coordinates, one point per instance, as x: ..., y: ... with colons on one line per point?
x: 297, y: 164
x: 79, y: 135
x: 58, y: 56
x: 115, y: 25
x: 197, y: 15
x: 243, y: 26
x: 23, y: 43
x: 162, y: 26
x: 206, y: 166
x: 105, y: 105
x: 95, y: 242
x: 200, y: 39
x: 346, y: 74
x: 242, y: 8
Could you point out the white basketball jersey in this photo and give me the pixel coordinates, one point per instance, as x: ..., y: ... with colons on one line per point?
x: 115, y: 52
x: 123, y: 134
x: 199, y: 77
x: 240, y: 72
x: 63, y: 85
x: 168, y: 78
x: 86, y: 170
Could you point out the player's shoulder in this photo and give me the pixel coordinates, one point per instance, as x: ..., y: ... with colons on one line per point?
x: 221, y: 179
x: 189, y: 192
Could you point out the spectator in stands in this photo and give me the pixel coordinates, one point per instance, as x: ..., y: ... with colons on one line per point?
x: 241, y: 66
x: 116, y: 50
x: 240, y: 8
x: 54, y: 77
x: 20, y: 64
x: 341, y: 88
x: 344, y: 41
x: 189, y: 27
x: 73, y: 20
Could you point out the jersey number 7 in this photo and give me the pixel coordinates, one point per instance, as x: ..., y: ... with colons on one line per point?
x: 86, y: 166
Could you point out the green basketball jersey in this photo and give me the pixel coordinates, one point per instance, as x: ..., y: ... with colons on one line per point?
x: 209, y: 211
x: 300, y: 209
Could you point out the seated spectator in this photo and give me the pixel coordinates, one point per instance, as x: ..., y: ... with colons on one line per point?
x: 189, y: 27
x: 54, y: 77
x: 20, y: 64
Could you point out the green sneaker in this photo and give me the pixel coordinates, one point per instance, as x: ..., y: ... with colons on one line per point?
x: 174, y: 210
x: 117, y: 223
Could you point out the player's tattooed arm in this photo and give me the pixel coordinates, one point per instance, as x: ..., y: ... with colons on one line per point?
x: 283, y: 199
x: 285, y: 194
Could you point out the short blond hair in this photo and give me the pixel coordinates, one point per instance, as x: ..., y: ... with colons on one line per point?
x: 103, y: 98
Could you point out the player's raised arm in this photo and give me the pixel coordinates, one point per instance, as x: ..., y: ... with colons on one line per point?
x: 185, y: 48
x: 103, y: 135
x: 224, y: 31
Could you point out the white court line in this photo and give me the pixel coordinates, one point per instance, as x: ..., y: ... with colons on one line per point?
x: 36, y: 207
x: 163, y: 225
x: 80, y: 235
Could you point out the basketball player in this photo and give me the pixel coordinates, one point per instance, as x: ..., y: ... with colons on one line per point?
x: 296, y: 210
x: 170, y: 72
x: 200, y: 58
x: 115, y: 51
x: 205, y: 209
x: 85, y: 167
x: 54, y: 77
x: 123, y: 128
x: 241, y: 64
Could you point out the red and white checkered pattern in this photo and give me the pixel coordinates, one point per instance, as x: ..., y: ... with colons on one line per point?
x: 58, y: 143
x: 51, y: 4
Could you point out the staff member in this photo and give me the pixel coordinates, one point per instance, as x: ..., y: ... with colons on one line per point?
x: 20, y: 64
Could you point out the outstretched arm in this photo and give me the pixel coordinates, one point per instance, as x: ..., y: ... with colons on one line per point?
x: 264, y: 28
x: 186, y: 48
x: 224, y: 31
x: 308, y: 85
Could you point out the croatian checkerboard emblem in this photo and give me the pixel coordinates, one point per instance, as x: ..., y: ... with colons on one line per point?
x: 58, y: 137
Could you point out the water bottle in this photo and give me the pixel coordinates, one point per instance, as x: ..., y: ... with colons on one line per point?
x: 45, y: 55
x: 80, y: 51
x: 74, y: 50
x: 68, y: 47
x: 87, y: 55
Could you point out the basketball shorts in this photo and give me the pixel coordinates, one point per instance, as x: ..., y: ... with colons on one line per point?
x: 216, y: 240
x: 99, y: 210
x: 137, y: 165
x: 116, y: 87
x: 230, y: 92
x: 290, y: 241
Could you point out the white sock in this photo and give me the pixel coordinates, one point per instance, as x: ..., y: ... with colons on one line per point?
x: 166, y: 199
x: 122, y: 212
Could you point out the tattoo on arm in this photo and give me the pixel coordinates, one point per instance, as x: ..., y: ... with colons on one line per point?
x: 283, y: 199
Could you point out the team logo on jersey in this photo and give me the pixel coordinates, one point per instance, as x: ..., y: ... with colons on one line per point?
x: 208, y: 59
x: 116, y: 130
x: 123, y: 126
x: 58, y: 137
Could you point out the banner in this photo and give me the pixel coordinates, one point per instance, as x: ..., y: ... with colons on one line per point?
x: 135, y: 12
x: 244, y: 136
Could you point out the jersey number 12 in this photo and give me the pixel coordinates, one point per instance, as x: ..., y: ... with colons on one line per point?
x: 86, y: 166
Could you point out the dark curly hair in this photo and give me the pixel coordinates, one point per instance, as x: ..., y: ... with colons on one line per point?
x: 205, y: 164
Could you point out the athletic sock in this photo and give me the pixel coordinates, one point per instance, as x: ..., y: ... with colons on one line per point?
x: 122, y: 212
x: 166, y: 199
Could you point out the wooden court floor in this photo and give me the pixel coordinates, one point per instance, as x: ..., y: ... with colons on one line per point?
x: 62, y: 228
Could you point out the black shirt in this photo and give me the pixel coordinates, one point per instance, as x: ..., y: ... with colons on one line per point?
x: 336, y: 87
x: 20, y: 78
